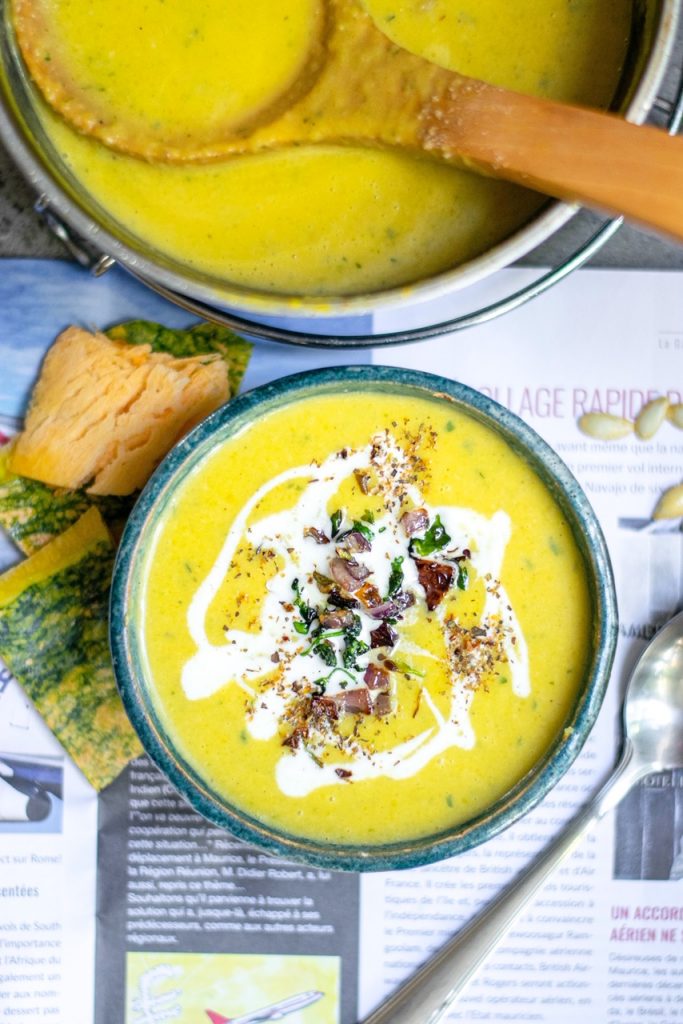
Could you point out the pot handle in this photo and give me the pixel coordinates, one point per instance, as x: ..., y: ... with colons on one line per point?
x: 97, y: 263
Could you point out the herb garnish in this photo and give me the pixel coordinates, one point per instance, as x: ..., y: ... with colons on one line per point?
x: 408, y: 670
x: 318, y: 635
x: 434, y: 539
x: 307, y: 613
x: 353, y: 649
x: 364, y: 530
x: 395, y: 576
x: 322, y: 682
x: 463, y: 576
x: 355, y: 627
x: 325, y: 650
x: 336, y: 521
x: 368, y: 516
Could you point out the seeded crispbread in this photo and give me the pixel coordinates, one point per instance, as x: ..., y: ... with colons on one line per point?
x: 104, y: 413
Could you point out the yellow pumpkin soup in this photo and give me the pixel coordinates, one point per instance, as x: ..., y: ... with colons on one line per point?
x: 311, y: 220
x: 365, y: 618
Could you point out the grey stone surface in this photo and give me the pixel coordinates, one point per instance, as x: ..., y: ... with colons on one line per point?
x: 23, y: 234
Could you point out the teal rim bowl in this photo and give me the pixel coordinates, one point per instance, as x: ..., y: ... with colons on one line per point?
x: 125, y: 635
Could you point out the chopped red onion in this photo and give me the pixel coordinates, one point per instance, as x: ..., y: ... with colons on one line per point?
x: 375, y: 677
x: 355, y: 541
x: 348, y: 574
x: 318, y: 535
x: 392, y: 609
x: 382, y: 705
x: 415, y: 521
x: 386, y: 610
x: 340, y: 618
x: 356, y: 702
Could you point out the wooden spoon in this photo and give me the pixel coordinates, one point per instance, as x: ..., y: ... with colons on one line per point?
x: 370, y: 90
x: 359, y: 87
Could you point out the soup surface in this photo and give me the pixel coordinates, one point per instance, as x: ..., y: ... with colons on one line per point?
x: 364, y: 618
x: 322, y: 220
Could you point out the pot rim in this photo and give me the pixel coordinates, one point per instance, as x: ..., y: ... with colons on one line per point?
x: 160, y: 270
x: 129, y: 571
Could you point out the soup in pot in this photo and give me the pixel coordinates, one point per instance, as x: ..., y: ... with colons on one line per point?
x: 321, y: 220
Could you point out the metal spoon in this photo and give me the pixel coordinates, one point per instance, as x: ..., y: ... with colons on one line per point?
x: 653, y: 742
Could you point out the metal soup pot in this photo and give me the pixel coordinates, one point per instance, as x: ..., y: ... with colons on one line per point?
x: 98, y: 241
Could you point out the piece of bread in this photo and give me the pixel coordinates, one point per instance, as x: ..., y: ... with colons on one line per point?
x: 103, y: 414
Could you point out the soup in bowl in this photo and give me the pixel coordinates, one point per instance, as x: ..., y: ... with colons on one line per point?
x: 363, y: 617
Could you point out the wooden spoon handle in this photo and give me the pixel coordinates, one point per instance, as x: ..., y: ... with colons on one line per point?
x: 569, y: 152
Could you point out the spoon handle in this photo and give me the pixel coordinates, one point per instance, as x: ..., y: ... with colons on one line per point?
x: 427, y: 995
x: 569, y: 152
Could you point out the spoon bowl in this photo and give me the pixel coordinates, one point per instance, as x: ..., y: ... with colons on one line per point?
x: 653, y: 705
x: 653, y: 741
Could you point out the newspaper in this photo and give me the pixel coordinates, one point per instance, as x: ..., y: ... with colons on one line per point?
x: 131, y: 909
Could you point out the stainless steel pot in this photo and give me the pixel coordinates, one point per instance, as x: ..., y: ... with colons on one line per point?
x: 98, y: 241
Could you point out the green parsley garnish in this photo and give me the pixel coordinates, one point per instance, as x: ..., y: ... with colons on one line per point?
x: 408, y: 670
x: 321, y: 683
x: 349, y: 633
x: 355, y: 627
x: 353, y: 649
x: 434, y: 539
x: 325, y: 650
x: 336, y: 521
x: 318, y: 636
x: 307, y: 613
x: 364, y: 530
x: 395, y: 576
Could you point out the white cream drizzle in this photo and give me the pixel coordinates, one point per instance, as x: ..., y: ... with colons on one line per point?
x: 244, y: 658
